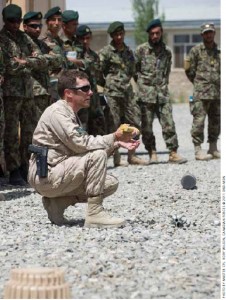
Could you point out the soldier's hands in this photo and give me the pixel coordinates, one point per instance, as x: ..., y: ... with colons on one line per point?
x: 20, y: 60
x: 76, y: 61
x: 131, y: 145
x: 126, y: 133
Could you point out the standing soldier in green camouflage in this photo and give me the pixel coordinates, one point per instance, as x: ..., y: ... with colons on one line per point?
x: 2, y: 121
x: 73, y: 50
x: 96, y: 122
x: 18, y: 99
x: 118, y: 67
x: 51, y: 38
x: 203, y: 67
x: 153, y: 66
x: 32, y: 23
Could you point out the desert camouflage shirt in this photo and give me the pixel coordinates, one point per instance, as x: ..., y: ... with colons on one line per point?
x: 118, y: 67
x: 152, y: 73
x: 18, y: 81
x: 204, y: 71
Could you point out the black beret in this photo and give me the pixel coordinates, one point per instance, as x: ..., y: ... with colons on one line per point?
x: 154, y: 23
x: 115, y: 26
x: 83, y: 30
x: 32, y: 15
x: 53, y: 11
x: 12, y: 11
x: 69, y: 15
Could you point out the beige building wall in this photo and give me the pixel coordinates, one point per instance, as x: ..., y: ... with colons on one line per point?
x: 33, y: 5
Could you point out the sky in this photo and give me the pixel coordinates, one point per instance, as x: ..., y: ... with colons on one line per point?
x: 121, y: 10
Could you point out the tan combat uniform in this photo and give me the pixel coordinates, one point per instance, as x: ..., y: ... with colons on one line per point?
x: 77, y: 162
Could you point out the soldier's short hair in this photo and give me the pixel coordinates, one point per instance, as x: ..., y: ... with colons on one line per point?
x: 68, y: 78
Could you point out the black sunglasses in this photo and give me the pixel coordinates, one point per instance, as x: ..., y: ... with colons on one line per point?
x: 84, y: 88
x: 35, y: 26
x: 14, y: 20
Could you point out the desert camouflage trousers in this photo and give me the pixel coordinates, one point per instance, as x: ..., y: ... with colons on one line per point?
x: 2, y: 124
x: 165, y: 116
x: 78, y: 177
x: 199, y: 110
x: 20, y: 122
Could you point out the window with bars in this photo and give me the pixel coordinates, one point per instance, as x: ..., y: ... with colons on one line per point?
x: 182, y: 45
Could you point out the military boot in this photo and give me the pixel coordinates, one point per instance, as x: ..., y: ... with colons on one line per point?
x: 213, y: 150
x: 176, y: 158
x: 134, y: 160
x: 201, y: 155
x: 15, y: 178
x: 153, y: 157
x: 117, y: 160
x: 55, y: 209
x: 23, y: 171
x: 97, y: 217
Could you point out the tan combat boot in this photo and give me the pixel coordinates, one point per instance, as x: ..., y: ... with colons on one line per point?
x: 97, y: 217
x: 153, y: 157
x: 134, y: 160
x: 213, y: 151
x: 175, y: 158
x: 55, y: 209
x: 201, y: 155
x: 117, y: 160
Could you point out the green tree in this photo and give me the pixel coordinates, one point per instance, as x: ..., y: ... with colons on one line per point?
x: 144, y: 11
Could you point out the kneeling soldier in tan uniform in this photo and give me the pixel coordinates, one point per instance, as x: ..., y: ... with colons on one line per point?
x: 76, y: 162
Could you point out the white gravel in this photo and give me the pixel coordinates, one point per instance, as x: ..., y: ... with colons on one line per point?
x: 149, y: 257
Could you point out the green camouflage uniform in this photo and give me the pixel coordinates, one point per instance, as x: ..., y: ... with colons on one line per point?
x: 18, y: 99
x: 152, y: 74
x: 2, y: 122
x: 96, y: 122
x: 56, y: 46
x: 118, y: 67
x: 41, y: 79
x: 92, y: 118
x: 74, y: 45
x: 203, y: 70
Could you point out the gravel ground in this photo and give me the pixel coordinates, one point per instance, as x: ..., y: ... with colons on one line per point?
x: 149, y: 257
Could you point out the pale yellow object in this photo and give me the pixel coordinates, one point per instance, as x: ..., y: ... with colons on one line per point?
x: 37, y: 283
x: 128, y: 129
